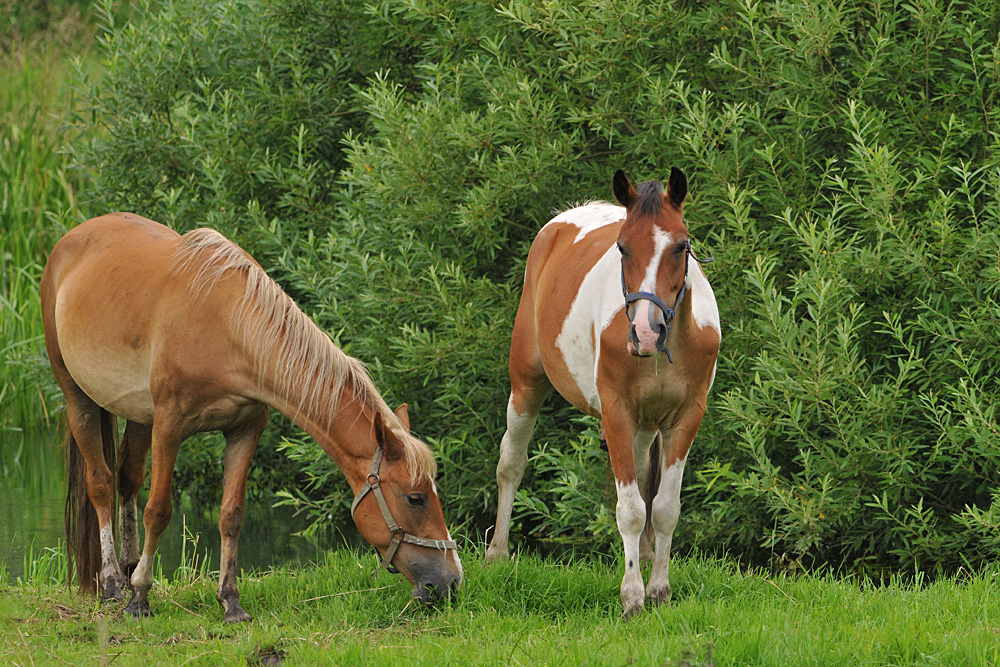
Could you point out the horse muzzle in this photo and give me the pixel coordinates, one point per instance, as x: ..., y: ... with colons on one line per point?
x: 647, y: 342
x: 433, y: 590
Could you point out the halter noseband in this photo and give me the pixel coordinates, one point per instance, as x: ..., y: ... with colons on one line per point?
x: 668, y: 313
x: 399, y: 534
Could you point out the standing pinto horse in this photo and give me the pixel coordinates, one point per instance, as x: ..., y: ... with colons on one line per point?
x: 184, y: 334
x: 606, y: 290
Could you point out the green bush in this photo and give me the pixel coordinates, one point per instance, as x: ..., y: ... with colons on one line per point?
x: 389, y: 163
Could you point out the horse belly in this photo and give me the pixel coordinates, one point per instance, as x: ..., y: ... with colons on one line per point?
x: 119, y: 388
x: 113, y: 373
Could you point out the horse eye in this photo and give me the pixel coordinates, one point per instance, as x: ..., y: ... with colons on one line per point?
x: 622, y: 250
x: 681, y: 247
x: 416, y: 499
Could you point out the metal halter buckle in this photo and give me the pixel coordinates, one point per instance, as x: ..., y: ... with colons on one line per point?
x: 399, y: 534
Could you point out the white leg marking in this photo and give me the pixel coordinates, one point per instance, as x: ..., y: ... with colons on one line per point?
x: 510, y: 469
x: 630, y: 513
x: 109, y: 566
x: 142, y: 578
x: 641, y: 442
x: 666, y: 511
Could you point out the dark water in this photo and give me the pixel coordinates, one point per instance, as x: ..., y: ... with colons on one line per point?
x: 32, y: 492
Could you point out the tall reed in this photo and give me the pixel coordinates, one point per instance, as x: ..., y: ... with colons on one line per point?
x: 37, y: 203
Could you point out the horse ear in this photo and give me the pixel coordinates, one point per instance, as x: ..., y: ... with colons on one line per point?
x: 622, y: 187
x: 386, y: 439
x: 403, y: 414
x: 677, y: 187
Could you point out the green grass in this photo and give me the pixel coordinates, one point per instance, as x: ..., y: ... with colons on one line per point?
x: 529, y: 611
x: 37, y: 201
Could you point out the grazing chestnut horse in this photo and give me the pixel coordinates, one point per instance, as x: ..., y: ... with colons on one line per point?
x: 184, y: 334
x: 606, y: 291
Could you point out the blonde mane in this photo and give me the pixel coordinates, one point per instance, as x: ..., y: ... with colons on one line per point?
x: 273, y: 327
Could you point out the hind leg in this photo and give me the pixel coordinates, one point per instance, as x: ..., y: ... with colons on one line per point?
x: 510, y: 468
x: 90, y: 425
x: 166, y: 440
x: 131, y: 472
x: 529, y: 387
x: 240, y: 446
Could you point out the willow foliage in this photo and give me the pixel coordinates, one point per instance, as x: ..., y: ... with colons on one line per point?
x: 389, y: 163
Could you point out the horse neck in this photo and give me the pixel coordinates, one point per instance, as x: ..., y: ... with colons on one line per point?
x: 336, y: 415
x: 684, y: 318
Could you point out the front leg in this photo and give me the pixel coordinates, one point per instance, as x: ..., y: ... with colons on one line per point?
x: 630, y: 511
x: 666, y: 510
x: 166, y: 440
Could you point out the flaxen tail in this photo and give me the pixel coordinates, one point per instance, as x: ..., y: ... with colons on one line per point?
x: 83, y: 539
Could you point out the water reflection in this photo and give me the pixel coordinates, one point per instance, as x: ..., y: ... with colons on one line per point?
x: 32, y: 492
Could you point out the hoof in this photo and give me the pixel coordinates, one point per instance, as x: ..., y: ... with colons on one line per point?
x: 234, y: 611
x: 112, y: 592
x: 496, y: 553
x: 137, y: 609
x: 661, y: 596
x: 236, y: 616
x: 632, y: 611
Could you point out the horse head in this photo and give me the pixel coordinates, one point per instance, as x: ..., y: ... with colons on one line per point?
x: 654, y: 248
x: 399, y: 513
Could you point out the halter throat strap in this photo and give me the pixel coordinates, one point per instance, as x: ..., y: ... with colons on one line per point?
x: 399, y: 534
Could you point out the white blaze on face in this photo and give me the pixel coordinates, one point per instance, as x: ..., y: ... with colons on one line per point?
x: 646, y: 312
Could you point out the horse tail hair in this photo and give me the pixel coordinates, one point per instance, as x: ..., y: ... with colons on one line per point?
x: 652, y: 482
x: 83, y: 539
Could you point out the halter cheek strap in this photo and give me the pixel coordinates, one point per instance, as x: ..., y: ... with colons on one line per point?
x: 399, y: 534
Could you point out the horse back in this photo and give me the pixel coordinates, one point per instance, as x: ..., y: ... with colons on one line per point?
x: 121, y: 319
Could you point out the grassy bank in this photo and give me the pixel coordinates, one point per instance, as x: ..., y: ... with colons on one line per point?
x: 38, y: 197
x: 527, y: 612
